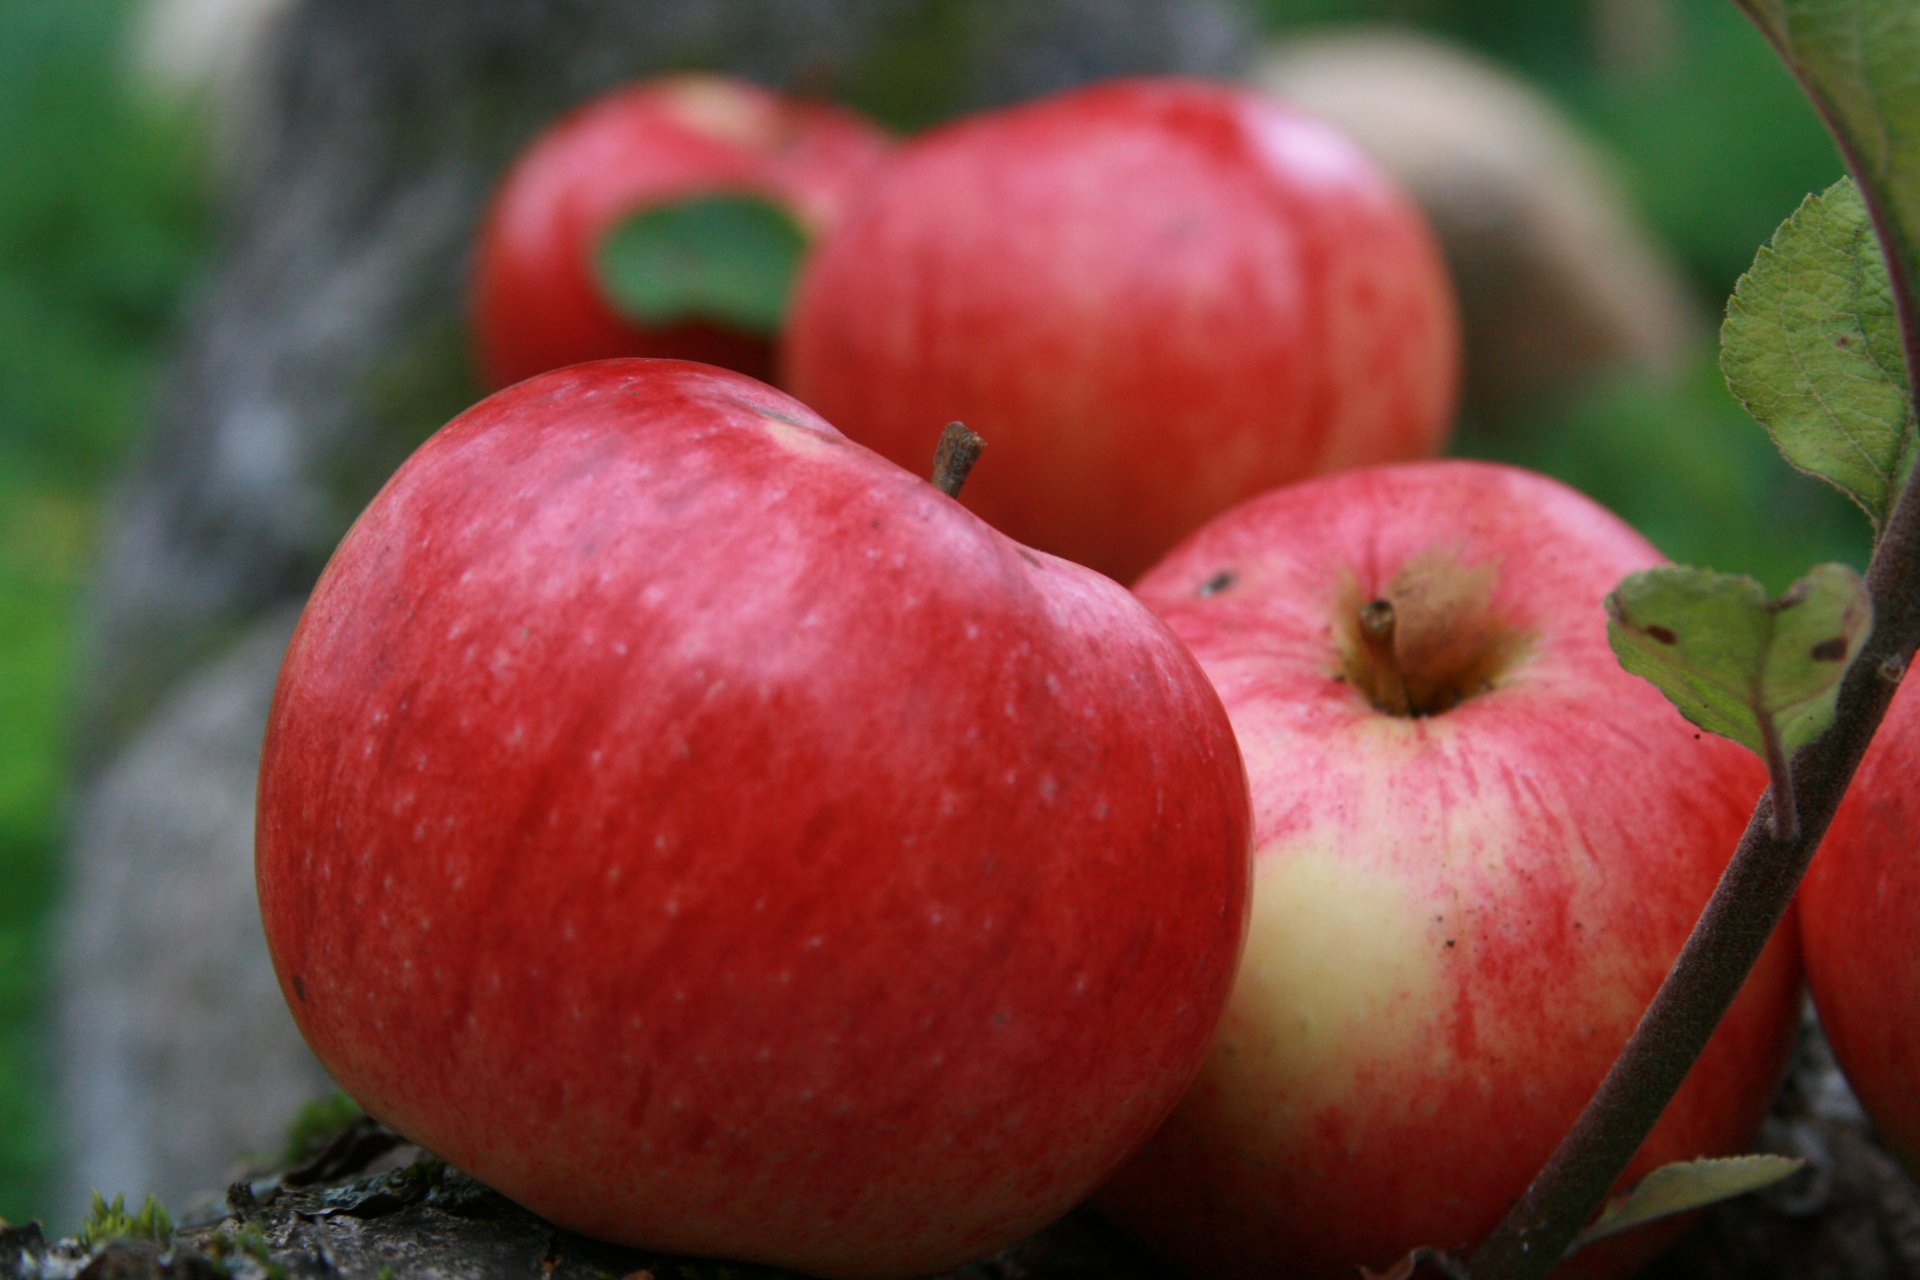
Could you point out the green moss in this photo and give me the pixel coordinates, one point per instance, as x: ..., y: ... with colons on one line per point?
x: 106, y: 1222
x: 317, y: 1123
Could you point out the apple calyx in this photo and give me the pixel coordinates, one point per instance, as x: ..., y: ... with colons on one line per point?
x: 1430, y: 640
x: 954, y: 456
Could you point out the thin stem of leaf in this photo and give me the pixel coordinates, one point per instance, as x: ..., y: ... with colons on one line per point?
x: 1785, y: 825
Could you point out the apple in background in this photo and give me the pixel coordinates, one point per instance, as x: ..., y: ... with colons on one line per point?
x: 537, y: 300
x: 1860, y: 927
x: 719, y: 840
x: 1478, y: 846
x: 1155, y: 297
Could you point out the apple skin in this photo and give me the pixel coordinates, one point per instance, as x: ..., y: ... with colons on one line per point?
x: 717, y: 839
x: 534, y: 300
x: 1457, y: 918
x: 1860, y: 916
x: 1155, y: 297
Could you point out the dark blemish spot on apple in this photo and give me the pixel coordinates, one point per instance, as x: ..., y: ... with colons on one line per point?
x: 1663, y: 635
x: 299, y: 989
x: 873, y: 522
x: 1829, y: 650
x: 1843, y: 341
x: 1216, y: 584
x: 1449, y: 943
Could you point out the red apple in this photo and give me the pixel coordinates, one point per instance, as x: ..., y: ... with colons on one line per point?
x: 717, y: 839
x: 1478, y: 846
x: 537, y: 300
x: 1860, y: 925
x: 1156, y: 298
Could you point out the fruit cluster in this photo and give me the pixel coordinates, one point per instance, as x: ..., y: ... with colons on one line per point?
x: 719, y: 838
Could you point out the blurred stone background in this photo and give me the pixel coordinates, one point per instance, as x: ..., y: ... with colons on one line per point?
x: 232, y: 245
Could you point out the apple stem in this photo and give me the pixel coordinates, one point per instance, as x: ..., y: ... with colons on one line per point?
x: 954, y: 457
x: 1386, y: 683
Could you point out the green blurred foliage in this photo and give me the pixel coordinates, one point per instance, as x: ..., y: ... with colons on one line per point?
x: 1710, y: 132
x: 1686, y: 466
x: 1716, y: 146
x: 101, y: 223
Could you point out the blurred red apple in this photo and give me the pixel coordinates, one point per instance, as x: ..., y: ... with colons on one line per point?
x: 717, y: 839
x: 1155, y: 297
x: 538, y: 298
x: 1479, y: 845
x: 1860, y: 922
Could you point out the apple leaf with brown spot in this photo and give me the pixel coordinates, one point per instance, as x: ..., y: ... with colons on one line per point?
x: 725, y: 259
x: 1732, y: 660
x: 1812, y: 348
x: 1679, y: 1188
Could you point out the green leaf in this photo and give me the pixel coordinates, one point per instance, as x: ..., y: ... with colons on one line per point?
x: 1735, y: 662
x: 1859, y: 60
x: 728, y: 259
x: 1811, y: 347
x: 1678, y: 1188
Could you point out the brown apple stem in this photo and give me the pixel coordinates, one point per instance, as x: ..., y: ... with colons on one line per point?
x: 1750, y: 899
x: 954, y: 457
x: 1386, y: 683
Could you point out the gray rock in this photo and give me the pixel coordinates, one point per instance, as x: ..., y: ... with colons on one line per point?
x: 179, y: 1052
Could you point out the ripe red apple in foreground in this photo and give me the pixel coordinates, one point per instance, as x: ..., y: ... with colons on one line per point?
x: 1478, y: 846
x: 1156, y: 297
x: 717, y: 839
x: 1860, y: 922
x: 537, y: 301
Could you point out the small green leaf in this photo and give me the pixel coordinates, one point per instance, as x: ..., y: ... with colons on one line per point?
x: 1678, y: 1188
x: 728, y: 259
x: 1811, y: 347
x: 1859, y: 60
x: 1734, y: 662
